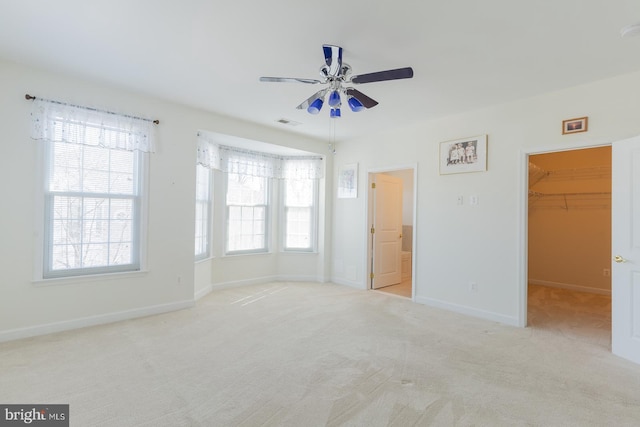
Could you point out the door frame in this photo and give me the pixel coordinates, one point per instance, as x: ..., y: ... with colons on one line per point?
x: 523, y: 226
x: 369, y: 220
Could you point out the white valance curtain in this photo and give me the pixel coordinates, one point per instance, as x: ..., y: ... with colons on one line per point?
x: 57, y: 122
x: 208, y: 152
x: 253, y: 163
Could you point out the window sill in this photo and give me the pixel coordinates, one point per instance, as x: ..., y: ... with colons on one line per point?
x: 241, y: 254
x: 201, y: 260
x: 72, y: 280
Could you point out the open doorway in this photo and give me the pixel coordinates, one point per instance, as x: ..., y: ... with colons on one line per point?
x: 391, y: 248
x: 569, y: 243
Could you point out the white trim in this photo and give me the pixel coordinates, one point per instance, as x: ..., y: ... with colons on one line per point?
x: 84, y: 322
x: 523, y: 216
x: 300, y: 278
x: 200, y: 261
x: 203, y: 292
x: 469, y: 311
x: 570, y: 286
x: 39, y: 216
x: 349, y: 283
x: 261, y: 281
x: 244, y: 282
x: 74, y: 280
x: 207, y: 253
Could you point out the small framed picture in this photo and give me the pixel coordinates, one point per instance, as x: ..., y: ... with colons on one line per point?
x: 348, y: 181
x: 581, y: 124
x: 464, y: 155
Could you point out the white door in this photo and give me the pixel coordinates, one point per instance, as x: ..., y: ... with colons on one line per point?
x: 625, y: 244
x: 387, y: 236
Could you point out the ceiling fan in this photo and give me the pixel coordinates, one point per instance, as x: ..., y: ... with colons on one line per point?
x: 336, y: 74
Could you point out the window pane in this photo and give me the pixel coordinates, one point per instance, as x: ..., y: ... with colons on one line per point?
x: 120, y: 253
x: 65, y: 169
x: 246, y: 228
x: 121, y: 183
x: 121, y: 209
x: 65, y: 257
x: 300, y: 213
x: 67, y: 207
x: 95, y: 255
x: 66, y: 231
x: 247, y: 212
x: 120, y: 231
x: 298, y: 234
x: 246, y: 190
x: 299, y: 192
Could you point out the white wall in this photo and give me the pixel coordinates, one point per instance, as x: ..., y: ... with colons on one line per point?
x: 483, y: 243
x: 29, y: 307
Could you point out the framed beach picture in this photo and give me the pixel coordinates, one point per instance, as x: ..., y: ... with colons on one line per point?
x: 348, y: 181
x: 464, y: 155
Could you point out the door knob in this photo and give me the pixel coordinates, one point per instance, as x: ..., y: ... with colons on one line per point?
x: 618, y: 259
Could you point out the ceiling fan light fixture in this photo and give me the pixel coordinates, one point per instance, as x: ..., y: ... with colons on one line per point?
x: 335, y: 113
x: 334, y: 99
x: 355, y: 104
x: 315, y: 106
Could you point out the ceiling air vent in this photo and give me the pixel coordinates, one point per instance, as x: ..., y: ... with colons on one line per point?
x: 288, y: 122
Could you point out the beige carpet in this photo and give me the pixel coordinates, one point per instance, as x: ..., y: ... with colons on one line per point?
x: 290, y: 354
x: 575, y: 315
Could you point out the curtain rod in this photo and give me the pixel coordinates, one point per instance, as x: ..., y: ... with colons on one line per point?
x: 31, y: 98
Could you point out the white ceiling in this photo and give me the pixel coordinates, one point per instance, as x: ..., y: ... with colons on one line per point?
x: 209, y: 54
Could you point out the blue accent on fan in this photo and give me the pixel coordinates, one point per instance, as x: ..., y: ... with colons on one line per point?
x: 315, y: 106
x: 355, y: 105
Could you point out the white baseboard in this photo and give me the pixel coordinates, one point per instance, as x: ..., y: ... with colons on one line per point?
x: 245, y: 282
x: 469, y: 311
x: 257, y: 281
x: 298, y: 278
x: 570, y: 286
x: 350, y: 283
x: 203, y: 292
x: 15, y: 334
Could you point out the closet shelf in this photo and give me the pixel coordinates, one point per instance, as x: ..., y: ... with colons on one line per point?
x: 569, y: 179
x: 566, y: 201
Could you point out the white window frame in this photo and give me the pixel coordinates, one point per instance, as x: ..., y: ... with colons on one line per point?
x: 313, y: 232
x: 45, y: 272
x: 208, y: 203
x: 267, y: 219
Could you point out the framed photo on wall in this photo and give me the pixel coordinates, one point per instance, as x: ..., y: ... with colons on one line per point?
x: 581, y: 124
x: 464, y: 155
x: 348, y: 181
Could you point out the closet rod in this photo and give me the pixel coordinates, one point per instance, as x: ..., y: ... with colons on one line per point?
x: 31, y: 98
x: 537, y: 194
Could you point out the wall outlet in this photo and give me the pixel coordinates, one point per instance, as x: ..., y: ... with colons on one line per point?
x: 473, y: 286
x: 474, y: 200
x: 606, y: 272
x: 179, y: 280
